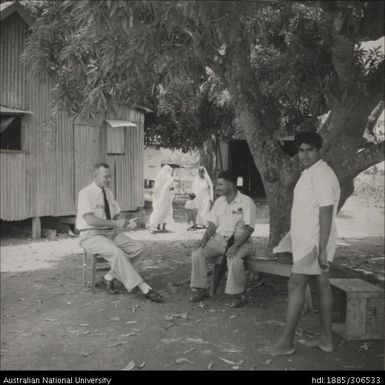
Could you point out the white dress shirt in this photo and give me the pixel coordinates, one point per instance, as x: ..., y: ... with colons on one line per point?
x: 232, y: 216
x: 91, y: 201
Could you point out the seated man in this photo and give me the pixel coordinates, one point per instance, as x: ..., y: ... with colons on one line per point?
x: 100, y: 223
x: 232, y: 213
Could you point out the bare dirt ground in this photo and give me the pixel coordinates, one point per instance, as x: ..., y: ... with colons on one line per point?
x: 48, y: 321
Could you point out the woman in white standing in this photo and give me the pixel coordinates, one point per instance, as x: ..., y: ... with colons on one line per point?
x: 203, y: 189
x: 162, y: 199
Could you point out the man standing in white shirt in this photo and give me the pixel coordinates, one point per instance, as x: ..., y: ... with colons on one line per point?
x: 312, y: 241
x: 232, y: 214
x: 100, y: 223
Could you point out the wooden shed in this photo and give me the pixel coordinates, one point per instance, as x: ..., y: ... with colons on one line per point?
x: 45, y: 158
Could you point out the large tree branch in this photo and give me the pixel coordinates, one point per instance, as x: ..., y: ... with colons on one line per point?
x: 373, y: 118
x: 366, y: 158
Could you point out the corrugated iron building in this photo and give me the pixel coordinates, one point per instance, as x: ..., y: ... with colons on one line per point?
x: 46, y: 159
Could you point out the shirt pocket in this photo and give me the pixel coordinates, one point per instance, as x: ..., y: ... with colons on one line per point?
x: 99, y: 211
x: 237, y: 214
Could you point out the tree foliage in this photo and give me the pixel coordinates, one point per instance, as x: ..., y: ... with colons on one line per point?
x: 271, y: 67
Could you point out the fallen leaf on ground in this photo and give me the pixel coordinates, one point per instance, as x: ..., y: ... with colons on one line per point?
x: 84, y: 324
x: 130, y: 366
x: 189, y: 351
x: 115, y: 319
x: 270, y: 323
x: 133, y: 333
x: 172, y: 317
x: 233, y: 316
x: 227, y: 361
x: 117, y: 344
x: 267, y: 362
x: 212, y: 310
x: 170, y: 340
x: 86, y: 354
x: 184, y: 361
x: 365, y: 346
x: 197, y: 340
x: 17, y: 331
x: 231, y: 350
x: 50, y: 319
x: 210, y: 366
x: 130, y: 322
x: 198, y: 321
x: 142, y: 365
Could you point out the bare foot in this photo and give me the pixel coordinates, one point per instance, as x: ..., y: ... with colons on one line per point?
x: 276, y: 350
x: 318, y: 343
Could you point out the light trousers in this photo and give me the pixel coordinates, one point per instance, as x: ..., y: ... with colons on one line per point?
x: 122, y: 252
x: 213, y: 252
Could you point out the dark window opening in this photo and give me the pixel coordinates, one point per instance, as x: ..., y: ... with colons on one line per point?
x: 10, y: 132
x: 149, y: 183
x: 242, y: 163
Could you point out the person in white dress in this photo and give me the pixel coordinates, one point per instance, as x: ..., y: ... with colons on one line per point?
x: 203, y: 189
x: 162, y: 200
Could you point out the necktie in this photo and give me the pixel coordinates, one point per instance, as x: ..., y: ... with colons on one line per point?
x: 106, y: 205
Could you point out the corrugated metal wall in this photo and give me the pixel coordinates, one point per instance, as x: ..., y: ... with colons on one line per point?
x: 13, y: 194
x: 129, y: 182
x: 14, y: 89
x: 59, y: 155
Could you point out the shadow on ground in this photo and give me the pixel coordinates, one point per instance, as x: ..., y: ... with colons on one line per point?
x: 50, y: 322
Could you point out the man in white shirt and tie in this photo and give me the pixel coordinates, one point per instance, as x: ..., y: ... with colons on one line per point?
x: 101, y: 226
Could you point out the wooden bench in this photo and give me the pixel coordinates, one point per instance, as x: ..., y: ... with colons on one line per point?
x: 268, y: 267
x: 358, y: 309
x: 276, y: 268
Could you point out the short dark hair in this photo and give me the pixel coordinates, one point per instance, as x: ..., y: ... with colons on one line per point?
x: 192, y: 196
x: 229, y: 176
x: 100, y: 164
x: 308, y: 137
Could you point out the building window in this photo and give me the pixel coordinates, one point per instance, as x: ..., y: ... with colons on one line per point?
x: 116, y: 141
x: 10, y: 132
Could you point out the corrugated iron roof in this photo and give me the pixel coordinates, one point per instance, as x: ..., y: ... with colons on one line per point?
x: 10, y: 7
x: 7, y: 110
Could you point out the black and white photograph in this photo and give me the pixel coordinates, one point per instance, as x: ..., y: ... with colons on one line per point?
x: 192, y: 185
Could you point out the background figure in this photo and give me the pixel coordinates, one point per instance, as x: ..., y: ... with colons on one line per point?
x: 162, y: 199
x: 203, y: 189
x: 191, y: 209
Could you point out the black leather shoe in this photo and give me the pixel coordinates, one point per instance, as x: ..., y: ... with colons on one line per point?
x: 199, y: 295
x: 238, y: 300
x: 108, y: 286
x: 154, y: 296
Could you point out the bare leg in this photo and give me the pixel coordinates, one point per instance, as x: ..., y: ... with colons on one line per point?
x: 325, y: 340
x: 284, y: 346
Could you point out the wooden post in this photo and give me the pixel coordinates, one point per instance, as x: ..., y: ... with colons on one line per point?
x: 36, y: 228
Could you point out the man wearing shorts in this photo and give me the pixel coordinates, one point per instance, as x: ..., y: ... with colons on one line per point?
x: 312, y: 240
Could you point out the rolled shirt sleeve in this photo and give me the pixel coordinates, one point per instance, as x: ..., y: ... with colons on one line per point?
x: 324, y: 188
x: 84, y: 204
x: 249, y: 213
x: 213, y: 216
